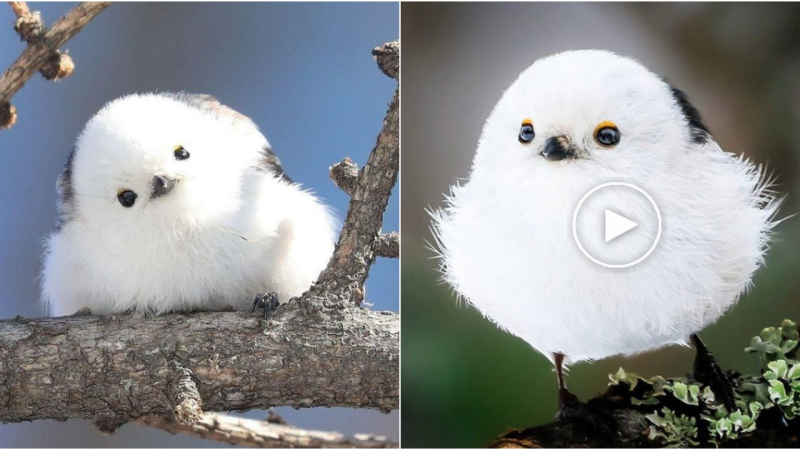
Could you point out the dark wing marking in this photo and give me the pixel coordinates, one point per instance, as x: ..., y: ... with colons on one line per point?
x: 697, y: 128
x: 65, y: 192
x: 208, y: 103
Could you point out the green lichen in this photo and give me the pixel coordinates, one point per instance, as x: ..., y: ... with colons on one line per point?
x: 776, y: 344
x: 677, y: 430
x: 684, y: 413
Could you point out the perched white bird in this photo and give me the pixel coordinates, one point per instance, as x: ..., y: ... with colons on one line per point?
x: 571, y: 122
x: 175, y: 202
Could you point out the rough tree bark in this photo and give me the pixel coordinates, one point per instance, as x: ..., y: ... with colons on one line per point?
x: 319, y: 350
x: 112, y: 369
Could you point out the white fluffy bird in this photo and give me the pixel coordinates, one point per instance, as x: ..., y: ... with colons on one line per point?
x: 571, y: 122
x: 175, y: 202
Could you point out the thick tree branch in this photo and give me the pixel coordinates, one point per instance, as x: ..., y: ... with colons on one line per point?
x: 344, y: 277
x: 111, y: 369
x: 42, y: 52
x: 255, y: 433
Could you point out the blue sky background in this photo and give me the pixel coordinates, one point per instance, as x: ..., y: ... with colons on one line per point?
x: 303, y: 72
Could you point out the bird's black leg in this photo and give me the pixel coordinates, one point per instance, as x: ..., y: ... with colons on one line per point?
x: 269, y: 302
x: 570, y: 408
x: 707, y: 372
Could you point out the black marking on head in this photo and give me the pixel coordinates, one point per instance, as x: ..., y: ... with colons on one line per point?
x: 65, y: 192
x: 269, y: 163
x: 697, y: 128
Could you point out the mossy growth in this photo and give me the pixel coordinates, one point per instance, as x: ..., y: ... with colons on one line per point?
x: 683, y: 413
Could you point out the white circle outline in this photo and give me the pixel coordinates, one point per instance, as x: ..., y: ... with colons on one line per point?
x: 597, y: 261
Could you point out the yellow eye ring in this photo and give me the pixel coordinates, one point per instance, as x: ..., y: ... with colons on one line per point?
x: 180, y: 153
x: 526, y: 132
x: 604, y: 124
x: 607, y: 133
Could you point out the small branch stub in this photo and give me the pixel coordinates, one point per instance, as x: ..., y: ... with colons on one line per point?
x: 184, y: 396
x: 8, y: 116
x: 29, y: 25
x: 345, y: 175
x: 60, y: 65
x: 388, y: 58
x: 388, y: 245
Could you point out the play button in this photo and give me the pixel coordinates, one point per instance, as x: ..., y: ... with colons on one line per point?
x: 616, y: 225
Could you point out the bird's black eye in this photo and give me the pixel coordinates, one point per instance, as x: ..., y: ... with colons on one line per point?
x: 526, y: 133
x: 607, y: 134
x: 181, y: 153
x: 127, y: 198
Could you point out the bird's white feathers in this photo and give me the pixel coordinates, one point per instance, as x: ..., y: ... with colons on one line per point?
x: 505, y: 238
x: 230, y: 229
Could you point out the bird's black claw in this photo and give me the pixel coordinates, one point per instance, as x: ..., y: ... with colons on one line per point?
x: 269, y: 302
x: 597, y: 420
x: 707, y: 371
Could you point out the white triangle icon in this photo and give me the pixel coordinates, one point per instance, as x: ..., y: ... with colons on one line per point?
x: 617, y: 225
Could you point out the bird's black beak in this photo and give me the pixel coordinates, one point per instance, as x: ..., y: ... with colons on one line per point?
x: 162, y: 186
x: 558, y: 148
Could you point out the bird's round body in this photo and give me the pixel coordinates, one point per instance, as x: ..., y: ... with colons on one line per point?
x: 174, y: 202
x: 505, y: 237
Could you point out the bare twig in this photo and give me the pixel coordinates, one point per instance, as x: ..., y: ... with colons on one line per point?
x: 40, y: 50
x: 388, y: 245
x: 255, y: 433
x: 20, y: 9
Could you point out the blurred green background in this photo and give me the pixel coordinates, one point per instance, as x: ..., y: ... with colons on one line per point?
x: 464, y: 381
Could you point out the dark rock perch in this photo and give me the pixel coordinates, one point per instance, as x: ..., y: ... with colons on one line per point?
x: 682, y: 412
